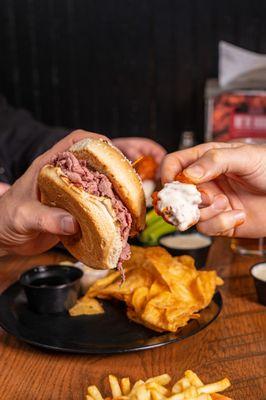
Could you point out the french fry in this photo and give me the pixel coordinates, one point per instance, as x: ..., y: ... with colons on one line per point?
x: 160, y: 379
x: 142, y: 393
x: 185, y: 384
x: 217, y: 396
x: 88, y: 397
x: 136, y: 384
x: 115, y: 387
x: 180, y: 385
x: 94, y: 392
x: 156, y: 395
x: 159, y: 388
x: 215, y: 387
x: 125, y: 386
x: 190, y: 387
x: 190, y: 392
x: 176, y: 388
x: 120, y: 398
x: 193, y: 378
x: 177, y: 396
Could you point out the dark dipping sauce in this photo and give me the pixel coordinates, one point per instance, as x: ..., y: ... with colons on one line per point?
x: 51, y: 289
x: 50, y: 281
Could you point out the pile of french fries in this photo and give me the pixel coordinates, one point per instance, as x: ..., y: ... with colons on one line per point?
x: 190, y: 387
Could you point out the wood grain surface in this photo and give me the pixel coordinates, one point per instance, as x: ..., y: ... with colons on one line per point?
x: 233, y: 346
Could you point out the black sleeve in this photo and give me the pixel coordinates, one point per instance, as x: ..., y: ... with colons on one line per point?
x: 22, y: 139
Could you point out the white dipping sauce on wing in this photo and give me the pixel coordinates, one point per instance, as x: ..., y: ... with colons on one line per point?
x: 259, y: 271
x: 185, y: 242
x: 148, y: 187
x: 181, y: 200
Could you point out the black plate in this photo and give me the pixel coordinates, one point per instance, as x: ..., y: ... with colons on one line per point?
x: 107, y: 333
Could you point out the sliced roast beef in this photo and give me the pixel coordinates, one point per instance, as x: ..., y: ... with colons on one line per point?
x: 97, y: 184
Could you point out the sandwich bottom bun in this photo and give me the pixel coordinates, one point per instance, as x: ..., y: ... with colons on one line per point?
x: 98, y: 243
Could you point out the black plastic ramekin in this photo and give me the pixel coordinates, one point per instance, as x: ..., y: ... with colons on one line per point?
x: 51, y: 289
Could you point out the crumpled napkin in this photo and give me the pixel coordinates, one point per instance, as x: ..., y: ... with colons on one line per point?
x: 241, y: 68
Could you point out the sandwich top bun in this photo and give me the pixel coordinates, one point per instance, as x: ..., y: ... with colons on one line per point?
x: 98, y: 244
x: 107, y: 159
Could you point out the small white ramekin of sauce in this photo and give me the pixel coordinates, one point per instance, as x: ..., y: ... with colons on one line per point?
x: 194, y: 244
x: 90, y: 275
x: 258, y: 272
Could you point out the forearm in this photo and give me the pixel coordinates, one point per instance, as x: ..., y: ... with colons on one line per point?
x: 22, y: 139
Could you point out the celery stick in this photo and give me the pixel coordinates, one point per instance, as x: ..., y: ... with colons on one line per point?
x: 152, y: 233
x: 161, y: 230
x: 146, y: 233
x: 151, y: 217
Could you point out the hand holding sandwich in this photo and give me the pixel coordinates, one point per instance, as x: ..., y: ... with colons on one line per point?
x: 232, y: 180
x: 27, y: 226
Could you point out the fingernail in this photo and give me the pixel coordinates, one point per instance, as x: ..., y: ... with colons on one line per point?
x: 68, y: 225
x: 239, y: 217
x: 196, y: 171
x: 205, y: 199
x: 220, y: 202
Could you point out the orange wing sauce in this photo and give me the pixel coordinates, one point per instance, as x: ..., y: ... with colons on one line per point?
x: 180, y: 177
x: 165, y: 214
x: 146, y: 167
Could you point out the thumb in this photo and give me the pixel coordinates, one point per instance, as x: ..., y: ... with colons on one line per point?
x: 41, y: 218
x: 3, y: 188
x: 216, y: 162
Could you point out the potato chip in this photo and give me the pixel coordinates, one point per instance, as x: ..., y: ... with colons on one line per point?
x: 203, y: 287
x: 186, y: 260
x: 161, y: 292
x: 156, y: 288
x: 86, y: 306
x: 138, y: 255
x: 139, y: 299
x: 134, y: 317
x: 219, y: 281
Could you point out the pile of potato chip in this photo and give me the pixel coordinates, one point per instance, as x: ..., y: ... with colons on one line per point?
x: 190, y: 387
x: 161, y: 292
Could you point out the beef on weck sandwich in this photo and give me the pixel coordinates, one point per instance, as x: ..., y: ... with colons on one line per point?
x: 95, y: 182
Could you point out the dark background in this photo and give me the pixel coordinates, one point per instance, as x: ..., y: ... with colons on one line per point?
x: 122, y: 67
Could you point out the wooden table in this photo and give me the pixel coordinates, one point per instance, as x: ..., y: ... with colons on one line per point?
x: 233, y: 346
